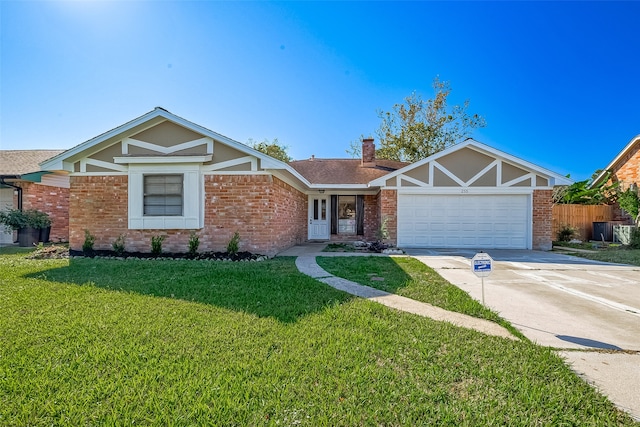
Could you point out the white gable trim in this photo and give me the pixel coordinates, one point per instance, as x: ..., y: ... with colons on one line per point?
x: 163, y: 159
x: 497, y: 164
x: 412, y: 181
x: 554, y: 178
x: 167, y: 150
x: 101, y: 164
x: 234, y: 162
x: 435, y: 164
x: 64, y: 161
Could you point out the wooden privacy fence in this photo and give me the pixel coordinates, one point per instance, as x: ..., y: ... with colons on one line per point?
x: 580, y: 217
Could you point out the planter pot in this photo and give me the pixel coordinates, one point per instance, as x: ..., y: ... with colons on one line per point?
x: 28, y: 236
x: 44, y: 234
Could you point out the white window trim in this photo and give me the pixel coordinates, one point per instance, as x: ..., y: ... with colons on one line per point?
x: 193, y: 209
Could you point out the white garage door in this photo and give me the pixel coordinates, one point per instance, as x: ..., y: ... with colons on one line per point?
x: 6, y: 201
x: 464, y: 221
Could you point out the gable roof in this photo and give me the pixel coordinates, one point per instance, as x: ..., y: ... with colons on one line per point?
x: 157, y: 115
x: 343, y: 171
x: 555, y: 179
x: 19, y: 162
x: 633, y: 144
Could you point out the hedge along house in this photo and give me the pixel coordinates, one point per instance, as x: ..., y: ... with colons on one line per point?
x: 23, y: 185
x: 160, y: 174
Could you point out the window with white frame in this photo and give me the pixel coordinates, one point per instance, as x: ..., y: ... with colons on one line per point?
x: 163, y: 195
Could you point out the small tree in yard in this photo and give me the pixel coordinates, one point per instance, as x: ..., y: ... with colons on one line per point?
x: 630, y: 203
x: 417, y: 128
x: 273, y: 149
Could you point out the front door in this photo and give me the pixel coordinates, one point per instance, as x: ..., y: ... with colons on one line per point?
x: 318, y: 217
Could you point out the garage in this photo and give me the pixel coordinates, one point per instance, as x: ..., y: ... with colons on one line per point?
x: 490, y: 221
x: 6, y: 201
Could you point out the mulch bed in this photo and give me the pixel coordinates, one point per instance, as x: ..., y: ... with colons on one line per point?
x: 57, y: 251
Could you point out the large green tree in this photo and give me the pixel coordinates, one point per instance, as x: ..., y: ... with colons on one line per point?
x: 419, y: 128
x: 272, y: 148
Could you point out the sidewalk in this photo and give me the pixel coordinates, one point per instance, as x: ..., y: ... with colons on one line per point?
x: 306, y: 263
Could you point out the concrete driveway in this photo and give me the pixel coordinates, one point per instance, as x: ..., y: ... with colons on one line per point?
x: 589, y: 311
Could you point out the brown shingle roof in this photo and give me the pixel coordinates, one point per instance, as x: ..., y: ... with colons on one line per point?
x: 18, y: 162
x: 343, y: 171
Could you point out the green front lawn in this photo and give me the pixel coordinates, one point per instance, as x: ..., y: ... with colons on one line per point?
x: 618, y: 256
x: 410, y: 278
x: 95, y: 342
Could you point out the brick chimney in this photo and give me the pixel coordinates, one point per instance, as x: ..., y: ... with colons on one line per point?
x: 368, y: 153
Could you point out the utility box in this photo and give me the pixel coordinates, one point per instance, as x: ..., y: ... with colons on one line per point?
x: 622, y: 233
x: 603, y: 231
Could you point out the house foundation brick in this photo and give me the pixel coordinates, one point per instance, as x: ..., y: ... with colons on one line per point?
x: 268, y: 214
x: 542, y: 220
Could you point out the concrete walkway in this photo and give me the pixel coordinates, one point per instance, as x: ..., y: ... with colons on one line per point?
x: 306, y: 263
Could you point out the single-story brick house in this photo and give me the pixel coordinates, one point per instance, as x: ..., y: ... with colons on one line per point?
x: 160, y: 174
x: 23, y: 185
x: 625, y: 167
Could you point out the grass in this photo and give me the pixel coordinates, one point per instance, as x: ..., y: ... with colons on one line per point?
x: 155, y: 342
x: 613, y: 253
x: 410, y: 278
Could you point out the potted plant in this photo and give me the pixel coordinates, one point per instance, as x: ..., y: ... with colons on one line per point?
x: 27, y: 223
x: 42, y: 222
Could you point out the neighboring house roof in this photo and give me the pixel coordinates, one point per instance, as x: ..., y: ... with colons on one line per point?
x: 343, y: 171
x: 20, y: 162
x: 634, y: 144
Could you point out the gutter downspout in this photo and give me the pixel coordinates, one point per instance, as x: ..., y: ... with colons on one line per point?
x: 3, y: 182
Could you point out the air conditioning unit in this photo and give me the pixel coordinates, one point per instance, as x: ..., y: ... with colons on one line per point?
x: 622, y: 233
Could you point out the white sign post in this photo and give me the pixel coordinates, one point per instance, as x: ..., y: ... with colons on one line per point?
x: 481, y: 266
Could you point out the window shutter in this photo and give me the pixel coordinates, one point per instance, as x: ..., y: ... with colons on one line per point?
x: 360, y: 215
x: 334, y: 214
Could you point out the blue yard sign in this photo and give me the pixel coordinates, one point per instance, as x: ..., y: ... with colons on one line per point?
x: 482, y: 265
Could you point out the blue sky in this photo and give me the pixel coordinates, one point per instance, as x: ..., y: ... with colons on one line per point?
x: 558, y: 82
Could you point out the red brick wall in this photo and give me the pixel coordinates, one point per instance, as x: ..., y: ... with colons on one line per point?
x: 388, y: 205
x: 52, y: 200
x: 269, y: 215
x: 99, y: 204
x: 371, y: 219
x: 629, y: 169
x: 542, y: 219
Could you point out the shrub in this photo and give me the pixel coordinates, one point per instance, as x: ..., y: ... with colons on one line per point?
x: 89, y: 240
x: 566, y: 232
x: 16, y: 219
x: 630, y: 203
x: 383, y: 233
x: 118, y: 245
x: 234, y: 244
x: 194, y: 243
x: 634, y: 242
x: 156, y: 244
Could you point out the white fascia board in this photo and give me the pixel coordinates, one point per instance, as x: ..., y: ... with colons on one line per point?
x: 625, y: 150
x: 340, y: 187
x: 57, y: 160
x: 465, y: 191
